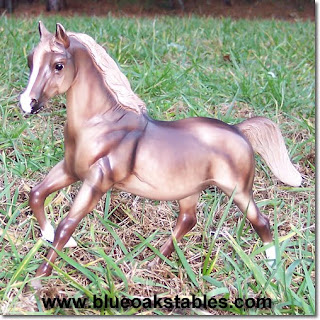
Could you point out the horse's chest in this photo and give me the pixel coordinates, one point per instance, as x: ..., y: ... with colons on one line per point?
x: 88, y: 147
x: 79, y: 157
x: 76, y: 164
x: 79, y: 154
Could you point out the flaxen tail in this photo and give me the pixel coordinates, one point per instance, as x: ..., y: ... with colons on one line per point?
x: 266, y: 139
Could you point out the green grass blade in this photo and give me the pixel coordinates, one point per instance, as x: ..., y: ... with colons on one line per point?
x: 90, y: 275
x: 113, y: 264
x: 23, y: 265
x: 205, y: 270
x: 74, y: 282
x: 310, y: 285
x: 258, y: 273
x: 185, y: 263
x: 114, y: 234
x: 157, y: 252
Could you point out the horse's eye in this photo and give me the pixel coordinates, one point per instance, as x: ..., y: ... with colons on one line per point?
x: 59, y: 66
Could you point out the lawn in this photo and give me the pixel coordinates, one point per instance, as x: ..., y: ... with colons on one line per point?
x: 181, y: 67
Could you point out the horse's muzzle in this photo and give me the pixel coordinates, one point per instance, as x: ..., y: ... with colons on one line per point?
x: 35, y: 106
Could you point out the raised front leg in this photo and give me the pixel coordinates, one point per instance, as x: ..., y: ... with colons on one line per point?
x: 96, y: 184
x: 186, y: 221
x: 57, y: 178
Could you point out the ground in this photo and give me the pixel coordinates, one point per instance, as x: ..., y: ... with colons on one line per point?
x: 267, y: 9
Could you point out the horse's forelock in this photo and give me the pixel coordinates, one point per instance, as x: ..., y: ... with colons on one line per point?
x: 55, y: 46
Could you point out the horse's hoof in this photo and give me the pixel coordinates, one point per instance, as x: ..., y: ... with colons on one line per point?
x: 48, y: 235
x: 271, y: 256
x: 153, y: 263
x: 36, y: 284
x: 71, y: 243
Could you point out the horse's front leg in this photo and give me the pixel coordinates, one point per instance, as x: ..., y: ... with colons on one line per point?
x: 57, y: 178
x: 97, y: 182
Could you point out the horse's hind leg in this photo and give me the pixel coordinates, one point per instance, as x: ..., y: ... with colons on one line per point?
x: 260, y: 222
x: 186, y: 221
x: 56, y: 179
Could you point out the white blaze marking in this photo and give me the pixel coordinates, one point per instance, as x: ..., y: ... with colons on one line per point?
x: 25, y: 102
x: 48, y: 234
x: 25, y: 99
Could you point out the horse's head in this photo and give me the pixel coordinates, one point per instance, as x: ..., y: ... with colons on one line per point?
x: 51, y: 69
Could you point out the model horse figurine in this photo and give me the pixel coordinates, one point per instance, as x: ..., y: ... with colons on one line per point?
x: 111, y: 142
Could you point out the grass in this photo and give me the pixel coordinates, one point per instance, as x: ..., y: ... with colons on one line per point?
x: 181, y: 67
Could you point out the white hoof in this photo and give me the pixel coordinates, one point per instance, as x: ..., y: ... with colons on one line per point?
x: 71, y: 243
x: 271, y: 255
x: 48, y: 234
x: 36, y: 284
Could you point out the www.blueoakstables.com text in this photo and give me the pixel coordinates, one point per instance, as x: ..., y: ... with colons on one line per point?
x: 156, y: 302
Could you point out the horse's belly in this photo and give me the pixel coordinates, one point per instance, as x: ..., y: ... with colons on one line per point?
x: 164, y: 170
x: 159, y: 191
x: 163, y: 178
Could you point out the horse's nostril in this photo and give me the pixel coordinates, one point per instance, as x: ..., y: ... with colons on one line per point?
x: 35, y: 107
x: 34, y: 103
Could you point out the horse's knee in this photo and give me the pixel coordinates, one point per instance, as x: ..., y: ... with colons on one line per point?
x: 35, y: 198
x: 258, y: 220
x: 263, y: 222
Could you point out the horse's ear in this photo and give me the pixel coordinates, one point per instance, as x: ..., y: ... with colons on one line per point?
x: 61, y: 36
x: 42, y: 30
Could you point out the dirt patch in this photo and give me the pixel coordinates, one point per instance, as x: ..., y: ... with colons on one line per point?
x: 267, y: 9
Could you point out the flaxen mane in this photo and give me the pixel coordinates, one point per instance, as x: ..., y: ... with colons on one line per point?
x: 113, y: 77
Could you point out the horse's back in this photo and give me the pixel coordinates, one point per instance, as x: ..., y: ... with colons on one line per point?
x: 205, y: 132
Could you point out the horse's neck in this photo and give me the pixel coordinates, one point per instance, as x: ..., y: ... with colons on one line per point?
x: 88, y: 98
